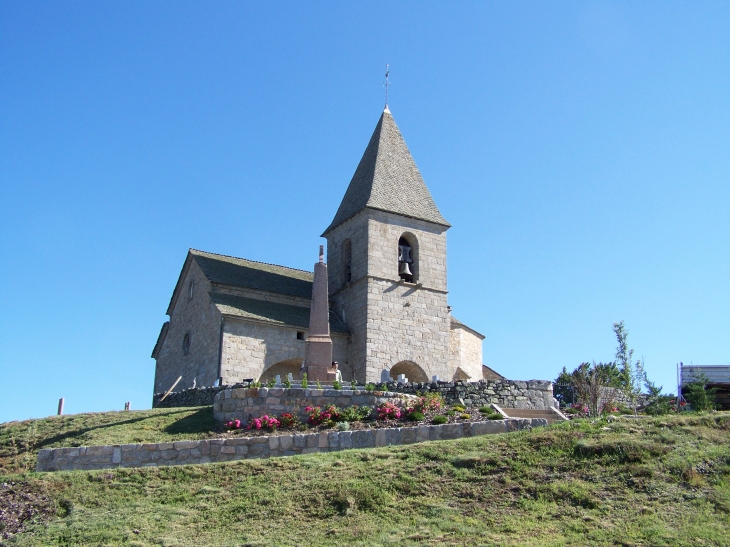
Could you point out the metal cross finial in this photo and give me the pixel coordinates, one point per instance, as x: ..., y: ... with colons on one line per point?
x: 387, y: 83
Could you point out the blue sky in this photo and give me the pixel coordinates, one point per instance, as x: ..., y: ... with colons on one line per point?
x: 581, y: 151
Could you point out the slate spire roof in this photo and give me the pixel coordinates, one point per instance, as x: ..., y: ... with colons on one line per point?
x: 387, y: 179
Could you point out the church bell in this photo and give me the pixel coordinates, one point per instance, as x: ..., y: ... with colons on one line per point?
x: 403, y: 269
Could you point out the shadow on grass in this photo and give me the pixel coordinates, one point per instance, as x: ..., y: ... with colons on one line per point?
x: 200, y: 421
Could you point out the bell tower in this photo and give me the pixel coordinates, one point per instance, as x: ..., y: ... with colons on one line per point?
x: 386, y: 254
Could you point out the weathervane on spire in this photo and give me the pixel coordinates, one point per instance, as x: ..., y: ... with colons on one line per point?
x: 387, y: 84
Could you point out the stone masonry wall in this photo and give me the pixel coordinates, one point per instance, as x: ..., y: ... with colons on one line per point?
x: 241, y: 448
x: 251, y: 348
x: 199, y: 317
x: 244, y: 404
x: 534, y: 394
x: 466, y: 352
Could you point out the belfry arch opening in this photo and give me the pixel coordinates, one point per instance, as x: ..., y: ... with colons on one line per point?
x: 411, y: 370
x: 283, y: 368
x: 408, y: 258
x: 346, y: 255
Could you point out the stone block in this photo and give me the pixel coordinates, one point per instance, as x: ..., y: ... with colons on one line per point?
x: 538, y: 422
x: 310, y: 450
x: 393, y: 436
x: 300, y: 441
x: 423, y: 433
x: 408, y: 435
x: 185, y: 445
x: 450, y: 431
x: 380, y: 437
x: 99, y: 450
x: 364, y: 438
x: 312, y: 440
x: 226, y: 449
x: 117, y: 455
x: 286, y: 442
x: 345, y: 439
x: 273, y: 442
x: 332, y: 440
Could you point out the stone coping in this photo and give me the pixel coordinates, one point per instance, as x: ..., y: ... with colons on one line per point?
x: 242, y: 448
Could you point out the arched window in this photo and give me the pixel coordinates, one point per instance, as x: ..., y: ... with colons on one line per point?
x: 191, y: 289
x: 407, y: 259
x: 346, y: 261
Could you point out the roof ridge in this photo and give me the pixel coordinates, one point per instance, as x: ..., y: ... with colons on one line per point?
x: 249, y: 260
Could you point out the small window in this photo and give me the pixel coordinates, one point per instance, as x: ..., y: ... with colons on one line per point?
x: 186, y: 343
x: 191, y: 289
x: 300, y: 335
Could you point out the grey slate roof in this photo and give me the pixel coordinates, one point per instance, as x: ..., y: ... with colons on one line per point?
x: 270, y: 312
x: 387, y: 179
x: 229, y: 270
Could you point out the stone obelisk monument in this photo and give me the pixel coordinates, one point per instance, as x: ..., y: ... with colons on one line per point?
x: 318, y: 360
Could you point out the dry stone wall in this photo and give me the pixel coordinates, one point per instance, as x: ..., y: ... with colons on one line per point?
x: 534, y: 394
x: 242, y: 448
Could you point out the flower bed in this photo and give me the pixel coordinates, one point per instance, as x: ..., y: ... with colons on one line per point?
x: 425, y: 410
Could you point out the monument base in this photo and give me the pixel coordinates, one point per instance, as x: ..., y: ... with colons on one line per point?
x: 320, y: 373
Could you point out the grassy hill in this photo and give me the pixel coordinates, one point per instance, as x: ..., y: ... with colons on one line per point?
x: 628, y: 482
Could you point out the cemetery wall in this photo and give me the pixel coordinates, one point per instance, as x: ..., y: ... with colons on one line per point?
x: 536, y: 394
x: 241, y: 448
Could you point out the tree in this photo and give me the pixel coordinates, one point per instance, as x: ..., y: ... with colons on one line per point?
x: 592, y: 383
x: 697, y: 395
x: 632, y: 372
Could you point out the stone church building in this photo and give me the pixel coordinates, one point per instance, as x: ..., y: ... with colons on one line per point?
x: 236, y: 319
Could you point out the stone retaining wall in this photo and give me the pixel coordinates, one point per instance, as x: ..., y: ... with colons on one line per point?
x: 537, y: 394
x: 241, y: 448
x: 246, y: 403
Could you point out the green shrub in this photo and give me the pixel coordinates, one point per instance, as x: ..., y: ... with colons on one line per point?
x: 465, y: 416
x: 319, y: 385
x: 416, y: 416
x: 271, y: 383
x: 495, y: 416
x: 440, y: 420
x: 343, y: 426
x: 287, y: 383
x: 356, y: 413
x: 305, y: 382
x: 336, y: 385
x: 450, y: 413
x: 370, y: 387
x: 353, y: 385
x: 486, y: 410
x: 459, y: 408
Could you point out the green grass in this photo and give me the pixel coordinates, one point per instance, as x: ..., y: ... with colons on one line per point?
x: 20, y: 441
x: 663, y: 481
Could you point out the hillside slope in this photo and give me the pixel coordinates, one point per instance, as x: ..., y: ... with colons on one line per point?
x: 628, y: 482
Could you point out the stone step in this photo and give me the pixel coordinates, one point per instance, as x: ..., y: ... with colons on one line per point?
x: 549, y: 415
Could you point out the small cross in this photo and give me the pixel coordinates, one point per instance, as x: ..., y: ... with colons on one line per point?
x: 387, y: 83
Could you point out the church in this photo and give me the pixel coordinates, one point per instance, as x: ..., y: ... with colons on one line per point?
x: 232, y: 319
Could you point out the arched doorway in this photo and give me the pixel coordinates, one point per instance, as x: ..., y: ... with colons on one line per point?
x: 282, y: 368
x: 413, y: 372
